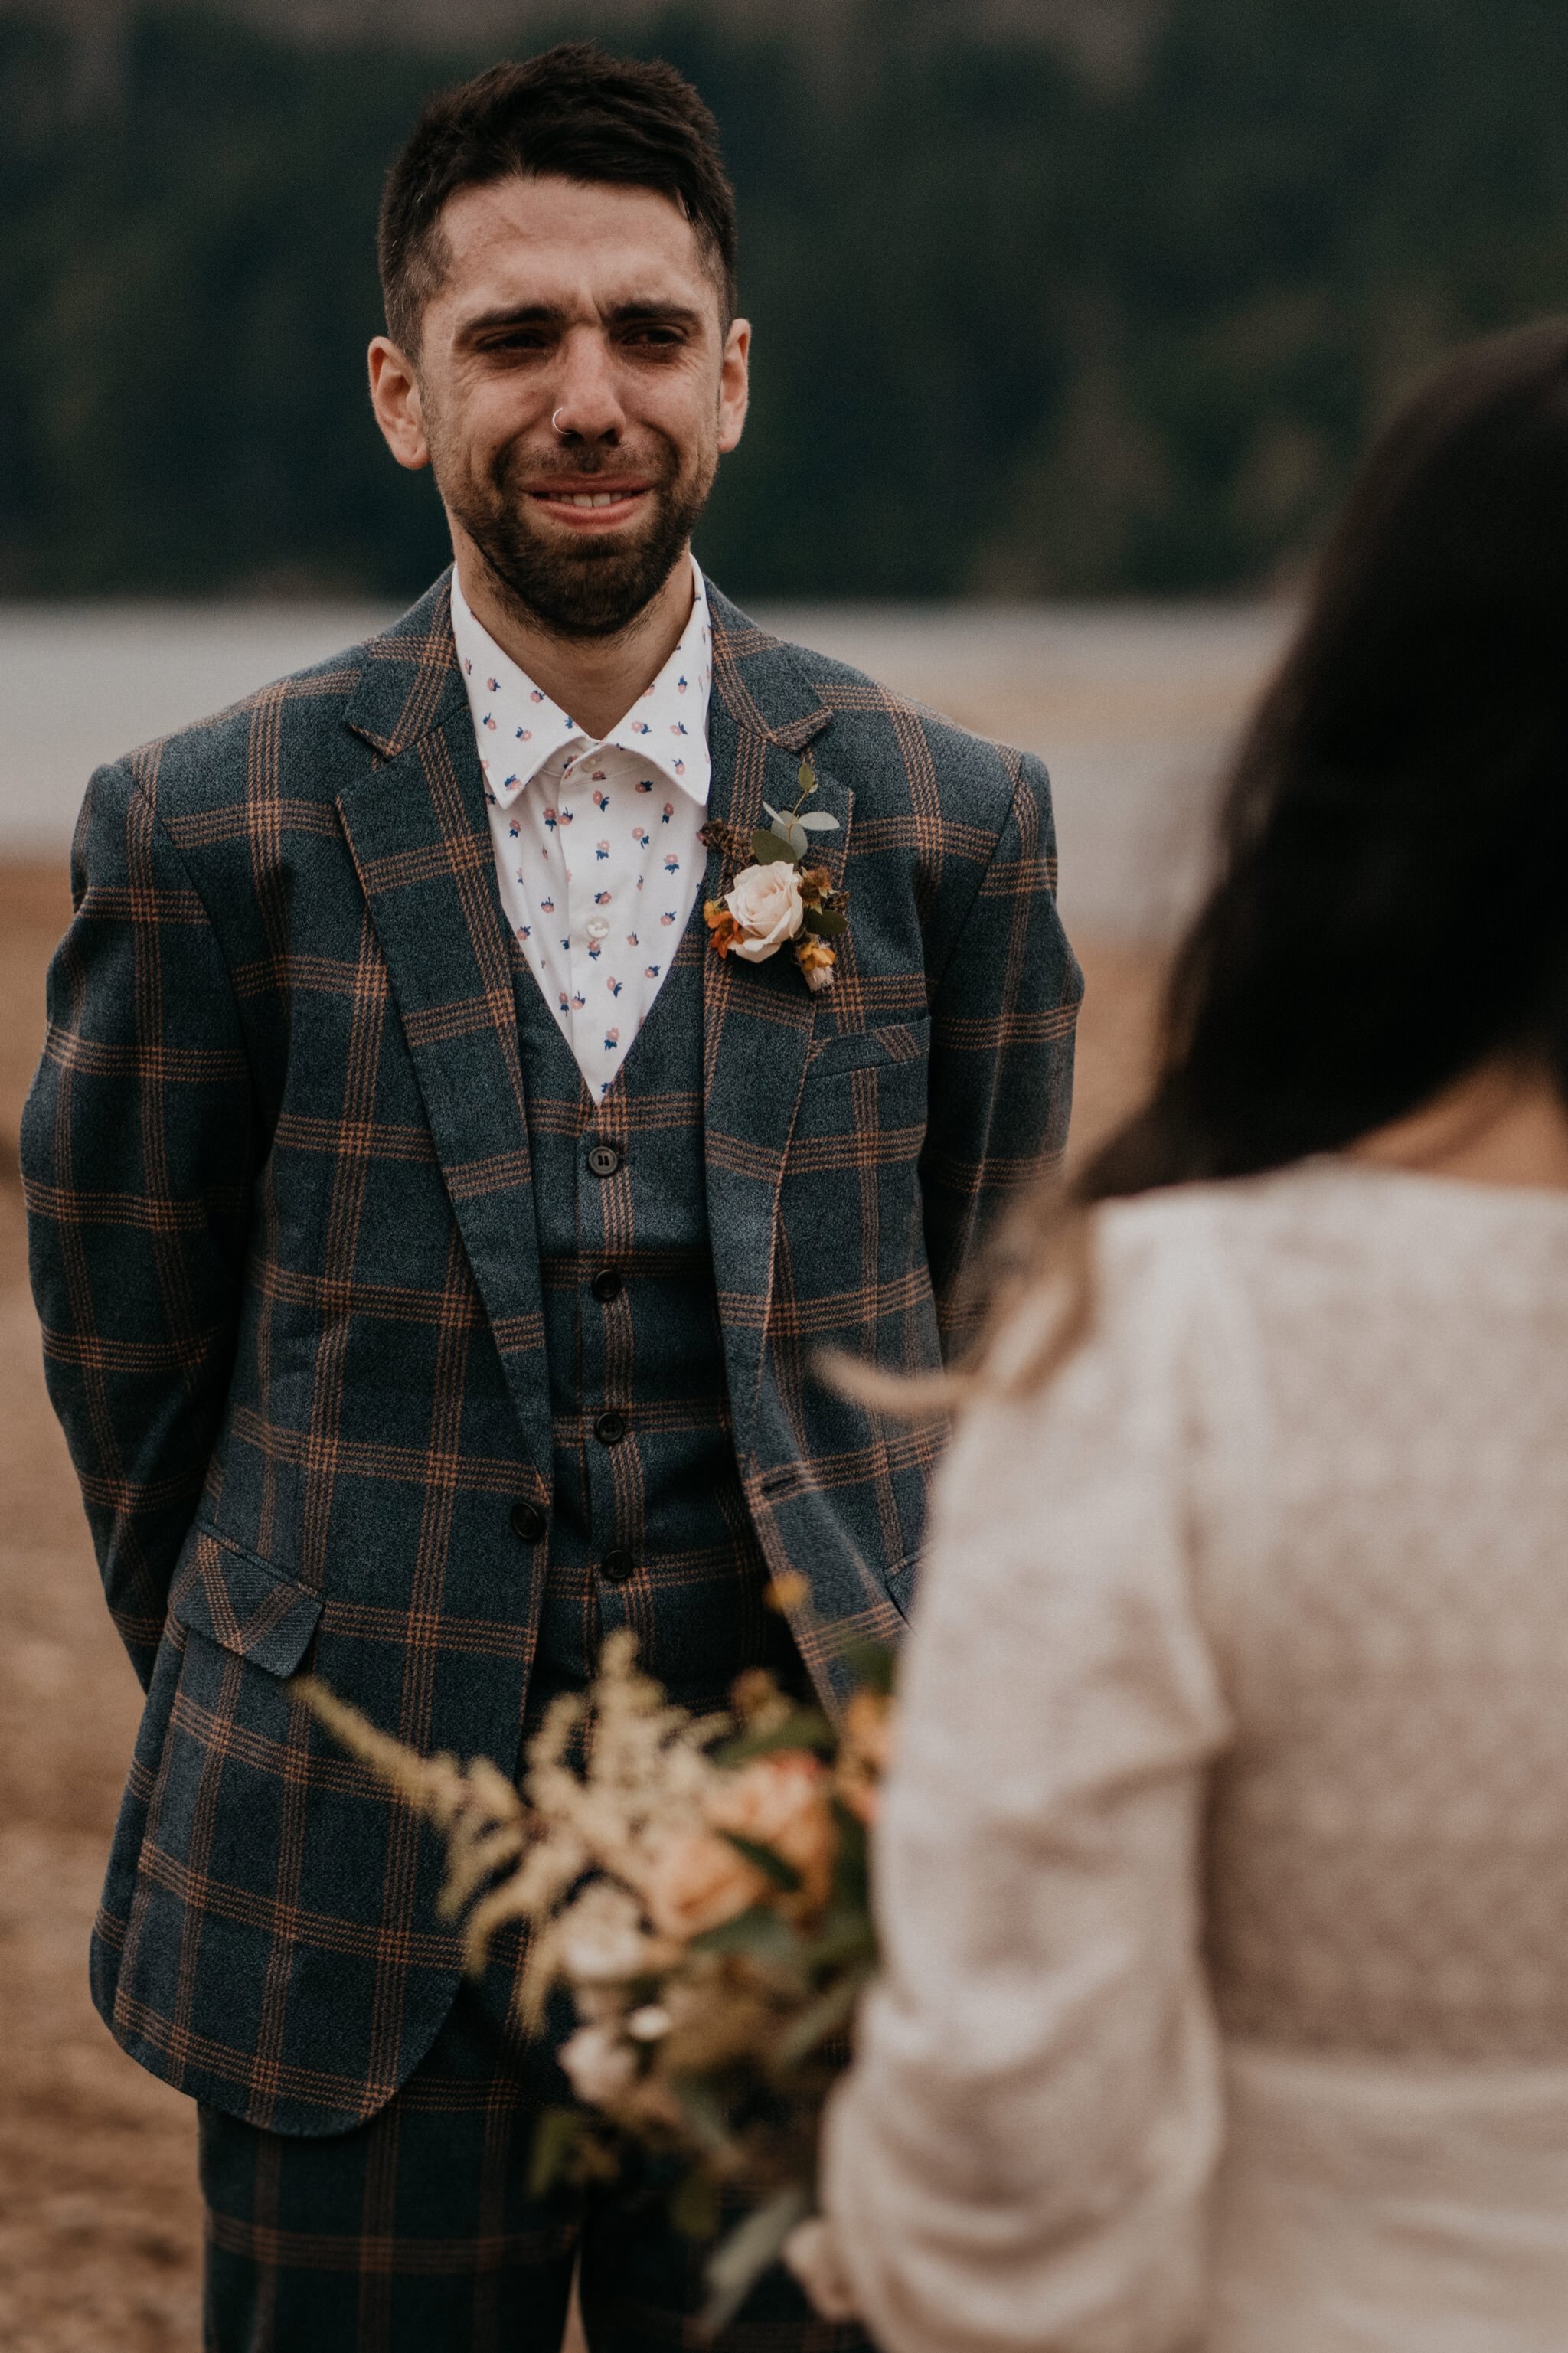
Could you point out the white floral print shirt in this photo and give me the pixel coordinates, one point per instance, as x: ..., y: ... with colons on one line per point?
x: 595, y: 841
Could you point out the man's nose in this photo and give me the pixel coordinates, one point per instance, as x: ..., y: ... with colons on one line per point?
x: 587, y: 403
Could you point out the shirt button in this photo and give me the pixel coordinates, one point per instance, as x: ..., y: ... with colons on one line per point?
x: 527, y: 1522
x: 604, y: 1159
x: 617, y: 1566
x: 597, y: 927
x: 606, y: 1285
x: 610, y: 1428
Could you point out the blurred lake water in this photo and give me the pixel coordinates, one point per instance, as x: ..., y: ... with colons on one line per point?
x: 1131, y: 707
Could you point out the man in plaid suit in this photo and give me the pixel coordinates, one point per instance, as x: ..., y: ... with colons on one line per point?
x: 387, y: 1335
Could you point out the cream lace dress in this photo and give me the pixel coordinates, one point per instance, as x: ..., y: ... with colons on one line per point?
x: 1224, y: 1874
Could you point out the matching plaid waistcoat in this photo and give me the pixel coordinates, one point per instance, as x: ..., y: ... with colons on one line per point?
x: 649, y: 1525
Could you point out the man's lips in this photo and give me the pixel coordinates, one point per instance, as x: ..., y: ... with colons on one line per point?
x: 591, y: 503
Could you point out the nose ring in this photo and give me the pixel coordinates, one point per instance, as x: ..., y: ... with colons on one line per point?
x: 556, y: 423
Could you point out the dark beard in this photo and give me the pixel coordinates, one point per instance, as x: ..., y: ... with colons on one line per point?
x: 593, y: 591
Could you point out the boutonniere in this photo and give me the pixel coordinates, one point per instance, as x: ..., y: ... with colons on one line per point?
x: 779, y: 900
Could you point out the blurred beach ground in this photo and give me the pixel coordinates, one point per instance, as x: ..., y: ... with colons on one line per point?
x: 1132, y: 709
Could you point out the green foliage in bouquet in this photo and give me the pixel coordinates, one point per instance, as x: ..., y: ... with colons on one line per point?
x: 699, y: 1887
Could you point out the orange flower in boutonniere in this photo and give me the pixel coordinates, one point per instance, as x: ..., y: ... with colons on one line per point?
x: 778, y: 898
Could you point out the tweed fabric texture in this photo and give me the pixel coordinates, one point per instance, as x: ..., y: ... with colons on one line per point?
x: 663, y: 1491
x: 418, y: 2233
x: 285, y: 1249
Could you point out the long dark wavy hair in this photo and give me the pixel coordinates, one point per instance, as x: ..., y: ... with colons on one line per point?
x: 1390, y: 904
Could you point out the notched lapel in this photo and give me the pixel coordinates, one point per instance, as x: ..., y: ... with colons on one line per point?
x: 420, y: 840
x: 758, y: 1018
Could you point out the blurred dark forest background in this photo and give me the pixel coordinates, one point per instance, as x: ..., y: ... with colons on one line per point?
x: 1048, y: 301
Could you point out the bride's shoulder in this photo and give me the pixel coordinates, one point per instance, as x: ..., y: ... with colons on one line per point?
x: 1130, y: 1291
x: 1149, y: 1248
x: 1157, y: 1274
x: 1330, y: 1242
x: 1234, y: 1221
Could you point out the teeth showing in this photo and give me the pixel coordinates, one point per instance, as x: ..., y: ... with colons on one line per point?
x: 595, y: 498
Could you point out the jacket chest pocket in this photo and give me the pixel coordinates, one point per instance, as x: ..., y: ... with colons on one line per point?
x: 869, y: 1084
x: 894, y: 1045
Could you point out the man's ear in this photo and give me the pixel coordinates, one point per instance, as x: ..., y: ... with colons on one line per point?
x: 395, y: 399
x: 734, y: 384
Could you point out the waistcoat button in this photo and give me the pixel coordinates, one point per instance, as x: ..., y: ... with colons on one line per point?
x: 611, y: 1427
x: 597, y: 927
x: 617, y: 1566
x: 604, y: 1159
x: 606, y: 1285
x: 527, y: 1522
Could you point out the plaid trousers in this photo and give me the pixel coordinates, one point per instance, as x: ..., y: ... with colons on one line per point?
x: 417, y: 2232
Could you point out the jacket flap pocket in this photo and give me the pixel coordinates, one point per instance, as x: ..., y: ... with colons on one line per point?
x: 855, y: 1050
x: 242, y: 1603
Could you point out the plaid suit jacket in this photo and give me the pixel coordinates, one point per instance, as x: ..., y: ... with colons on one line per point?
x: 284, y: 1251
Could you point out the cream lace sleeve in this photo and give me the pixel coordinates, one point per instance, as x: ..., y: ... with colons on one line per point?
x: 1020, y: 2158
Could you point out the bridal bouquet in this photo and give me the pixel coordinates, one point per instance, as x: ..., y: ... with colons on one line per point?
x: 698, y: 1885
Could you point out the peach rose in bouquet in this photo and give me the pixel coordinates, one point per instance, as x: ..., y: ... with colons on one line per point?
x: 698, y: 1882
x: 780, y: 1803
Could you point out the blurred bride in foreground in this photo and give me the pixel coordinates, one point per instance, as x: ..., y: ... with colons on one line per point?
x: 1225, y: 1872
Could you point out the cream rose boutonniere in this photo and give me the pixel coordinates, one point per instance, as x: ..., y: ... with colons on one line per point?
x: 765, y: 907
x: 779, y: 899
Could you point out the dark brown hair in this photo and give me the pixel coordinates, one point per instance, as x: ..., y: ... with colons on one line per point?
x: 574, y: 110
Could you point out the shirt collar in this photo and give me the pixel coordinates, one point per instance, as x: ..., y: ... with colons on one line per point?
x: 520, y: 728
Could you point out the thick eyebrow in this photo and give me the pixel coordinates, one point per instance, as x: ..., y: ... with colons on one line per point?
x: 655, y: 314
x: 554, y: 315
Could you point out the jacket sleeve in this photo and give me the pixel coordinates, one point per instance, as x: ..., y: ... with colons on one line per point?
x: 1003, y: 1014
x: 138, y: 1154
x: 1021, y: 2155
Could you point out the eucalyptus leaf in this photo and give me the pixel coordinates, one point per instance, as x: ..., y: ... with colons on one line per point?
x: 828, y: 2014
x: 739, y: 2262
x: 758, y: 1931
x: 771, y: 811
x: 875, y: 1664
x: 852, y: 1864
x: 706, y: 2121
x: 807, y: 1729
x: 554, y: 2141
x: 820, y: 821
x: 799, y: 840
x: 807, y: 777
x: 768, y: 849
x: 694, y: 2207
x: 846, y: 1936
x: 826, y: 922
x: 762, y: 1858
